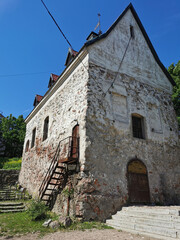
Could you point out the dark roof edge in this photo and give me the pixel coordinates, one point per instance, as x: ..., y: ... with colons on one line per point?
x: 130, y: 6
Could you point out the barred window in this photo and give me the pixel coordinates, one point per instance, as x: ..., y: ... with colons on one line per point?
x: 33, y: 137
x: 138, y: 127
x: 46, y: 127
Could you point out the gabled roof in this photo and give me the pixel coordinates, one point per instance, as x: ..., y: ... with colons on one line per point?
x: 53, y: 79
x: 37, y: 100
x: 70, y: 57
x: 130, y: 7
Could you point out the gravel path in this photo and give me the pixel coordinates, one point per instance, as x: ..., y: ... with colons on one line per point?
x: 107, y: 234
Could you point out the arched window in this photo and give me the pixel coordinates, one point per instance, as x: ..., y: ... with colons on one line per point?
x: 46, y: 127
x: 138, y: 126
x: 33, y: 137
x: 27, y: 146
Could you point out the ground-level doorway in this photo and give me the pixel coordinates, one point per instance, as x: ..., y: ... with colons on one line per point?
x: 138, y: 184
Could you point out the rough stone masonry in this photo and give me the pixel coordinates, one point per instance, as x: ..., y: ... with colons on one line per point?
x: 140, y: 89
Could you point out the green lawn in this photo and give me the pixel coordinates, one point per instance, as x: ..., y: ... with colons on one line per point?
x: 10, y: 163
x: 20, y: 223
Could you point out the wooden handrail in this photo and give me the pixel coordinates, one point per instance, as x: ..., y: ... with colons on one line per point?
x: 55, y: 159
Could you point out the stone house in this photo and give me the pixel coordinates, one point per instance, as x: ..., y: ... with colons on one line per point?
x: 105, y: 134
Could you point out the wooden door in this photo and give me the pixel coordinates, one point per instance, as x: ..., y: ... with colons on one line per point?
x: 138, y: 182
x: 75, y: 142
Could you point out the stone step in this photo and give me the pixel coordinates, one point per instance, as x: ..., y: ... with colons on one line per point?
x: 12, y: 207
x: 8, y: 192
x: 145, y: 216
x: 152, y: 222
x: 159, y: 222
x: 11, y: 204
x: 143, y: 233
x: 153, y: 210
x: 143, y: 228
x: 12, y: 211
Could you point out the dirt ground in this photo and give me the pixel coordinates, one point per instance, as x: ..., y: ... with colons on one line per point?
x: 107, y: 234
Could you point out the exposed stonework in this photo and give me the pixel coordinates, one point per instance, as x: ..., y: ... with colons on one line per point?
x: 139, y: 87
x: 65, y: 108
x: 8, y: 177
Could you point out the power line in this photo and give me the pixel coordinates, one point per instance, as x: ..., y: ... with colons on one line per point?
x: 67, y: 40
x: 56, y: 24
x: 21, y: 74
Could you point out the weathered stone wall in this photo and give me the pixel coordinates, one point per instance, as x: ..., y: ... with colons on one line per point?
x: 65, y: 108
x: 8, y: 177
x: 106, y: 140
x: 142, y: 88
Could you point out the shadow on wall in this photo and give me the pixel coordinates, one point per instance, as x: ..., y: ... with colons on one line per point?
x: 170, y: 197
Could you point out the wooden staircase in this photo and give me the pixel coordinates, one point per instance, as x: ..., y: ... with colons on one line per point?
x: 55, y: 179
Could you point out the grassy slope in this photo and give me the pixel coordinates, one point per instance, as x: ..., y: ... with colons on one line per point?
x: 20, y: 223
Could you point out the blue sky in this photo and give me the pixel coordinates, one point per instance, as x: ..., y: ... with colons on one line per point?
x: 31, y: 47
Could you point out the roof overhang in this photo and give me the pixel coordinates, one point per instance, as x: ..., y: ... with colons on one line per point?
x: 62, y: 78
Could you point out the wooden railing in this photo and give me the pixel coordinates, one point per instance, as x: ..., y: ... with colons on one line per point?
x: 67, y: 152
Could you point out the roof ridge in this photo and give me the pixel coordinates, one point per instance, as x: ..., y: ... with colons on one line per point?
x: 153, y: 51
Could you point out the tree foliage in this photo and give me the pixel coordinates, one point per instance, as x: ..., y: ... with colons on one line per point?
x: 13, y: 132
x: 174, y: 70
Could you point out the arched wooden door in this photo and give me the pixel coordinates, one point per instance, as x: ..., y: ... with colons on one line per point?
x: 75, y: 142
x: 138, y: 182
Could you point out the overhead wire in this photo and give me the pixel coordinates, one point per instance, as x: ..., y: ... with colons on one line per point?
x: 22, y: 74
x: 56, y: 24
x: 131, y: 36
x: 78, y: 57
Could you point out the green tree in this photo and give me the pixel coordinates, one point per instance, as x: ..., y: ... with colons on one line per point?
x: 174, y: 70
x: 13, y: 133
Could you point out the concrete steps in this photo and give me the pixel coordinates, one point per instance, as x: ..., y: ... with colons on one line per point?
x: 12, y: 207
x: 157, y: 222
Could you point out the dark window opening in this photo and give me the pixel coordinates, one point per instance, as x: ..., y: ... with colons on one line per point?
x: 46, y: 126
x: 137, y: 127
x: 27, y: 146
x: 33, y: 137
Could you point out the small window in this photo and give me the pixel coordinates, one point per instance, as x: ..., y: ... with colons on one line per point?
x: 27, y: 146
x: 45, y: 130
x: 33, y: 137
x: 138, y: 127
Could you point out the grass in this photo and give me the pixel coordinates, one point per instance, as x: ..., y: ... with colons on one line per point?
x: 88, y: 225
x: 10, y: 163
x: 20, y: 223
x: 12, y: 224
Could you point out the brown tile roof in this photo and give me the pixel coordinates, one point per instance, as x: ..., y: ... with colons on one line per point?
x: 37, y: 100
x: 74, y: 52
x: 53, y: 79
x: 70, y: 56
